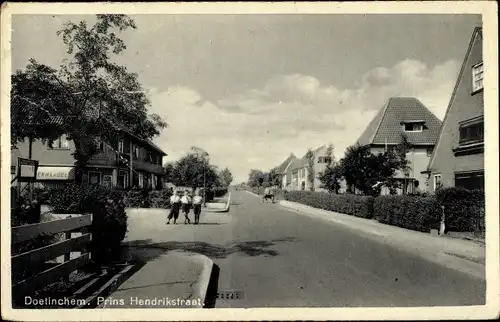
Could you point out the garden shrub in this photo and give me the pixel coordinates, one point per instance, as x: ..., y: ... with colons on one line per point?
x: 109, y: 220
x: 160, y: 198
x: 464, y: 209
x: 220, y: 192
x: 134, y: 198
x: 420, y: 213
x: 355, y: 205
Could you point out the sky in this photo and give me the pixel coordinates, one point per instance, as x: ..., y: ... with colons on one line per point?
x: 251, y: 89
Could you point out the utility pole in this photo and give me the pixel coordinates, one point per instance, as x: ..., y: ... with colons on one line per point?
x: 30, y: 152
x: 204, y: 185
x: 131, y: 171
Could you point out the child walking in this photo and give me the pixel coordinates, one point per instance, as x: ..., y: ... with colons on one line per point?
x: 186, y: 206
x: 175, y: 204
x: 197, y: 200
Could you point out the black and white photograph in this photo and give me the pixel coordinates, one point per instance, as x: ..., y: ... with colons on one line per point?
x: 302, y: 161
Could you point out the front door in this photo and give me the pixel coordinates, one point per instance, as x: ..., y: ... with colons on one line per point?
x: 122, y: 179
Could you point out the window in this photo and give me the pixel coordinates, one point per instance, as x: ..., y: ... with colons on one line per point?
x: 471, y: 132
x: 324, y: 159
x: 107, y: 180
x: 470, y: 180
x: 413, y: 127
x: 122, y: 179
x: 136, y: 151
x: 141, y: 180
x: 120, y: 146
x: 60, y: 143
x: 99, y: 144
x: 477, y: 77
x: 94, y: 177
x: 437, y: 181
x: 150, y: 157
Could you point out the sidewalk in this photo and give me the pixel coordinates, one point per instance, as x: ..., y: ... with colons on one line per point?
x: 167, y: 280
x: 219, y: 204
x: 462, y: 255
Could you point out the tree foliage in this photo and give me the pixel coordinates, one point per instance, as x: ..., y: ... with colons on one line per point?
x: 89, y: 96
x: 193, y: 171
x: 362, y: 170
x: 255, y: 178
x: 226, y: 177
x: 310, y: 169
x: 258, y: 178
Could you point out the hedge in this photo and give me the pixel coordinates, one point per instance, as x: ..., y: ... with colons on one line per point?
x: 359, y: 206
x: 411, y: 212
x: 464, y: 209
x: 23, y: 212
x: 144, y: 198
x: 109, y: 224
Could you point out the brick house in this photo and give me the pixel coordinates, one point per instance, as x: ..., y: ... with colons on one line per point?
x: 409, y: 117
x: 458, y: 159
x: 110, y: 166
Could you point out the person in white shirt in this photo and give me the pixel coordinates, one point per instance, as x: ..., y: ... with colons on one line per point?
x: 197, y: 200
x: 175, y: 204
x: 186, y: 206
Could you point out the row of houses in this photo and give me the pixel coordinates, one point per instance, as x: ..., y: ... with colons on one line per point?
x: 448, y: 153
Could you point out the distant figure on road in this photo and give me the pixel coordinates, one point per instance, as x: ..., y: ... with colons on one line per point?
x: 186, y: 206
x: 197, y: 200
x: 268, y: 194
x: 175, y: 204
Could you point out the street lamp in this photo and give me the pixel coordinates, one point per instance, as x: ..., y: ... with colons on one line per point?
x: 205, y: 154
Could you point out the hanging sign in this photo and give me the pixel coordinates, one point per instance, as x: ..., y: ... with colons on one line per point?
x: 26, y: 169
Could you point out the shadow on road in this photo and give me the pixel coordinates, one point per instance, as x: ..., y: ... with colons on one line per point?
x: 145, y: 250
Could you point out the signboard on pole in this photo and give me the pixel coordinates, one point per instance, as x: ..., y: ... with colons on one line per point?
x: 26, y: 170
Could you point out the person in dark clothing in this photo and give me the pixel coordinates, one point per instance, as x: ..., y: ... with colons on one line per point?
x: 186, y: 206
x: 197, y: 201
x: 175, y: 205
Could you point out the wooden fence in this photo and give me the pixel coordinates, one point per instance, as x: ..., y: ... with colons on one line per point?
x: 22, y: 286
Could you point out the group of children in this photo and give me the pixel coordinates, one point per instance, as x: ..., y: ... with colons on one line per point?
x: 185, y: 203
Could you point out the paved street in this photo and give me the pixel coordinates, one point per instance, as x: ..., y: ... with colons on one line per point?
x: 281, y: 258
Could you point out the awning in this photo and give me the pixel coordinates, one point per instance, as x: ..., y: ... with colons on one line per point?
x: 55, y: 173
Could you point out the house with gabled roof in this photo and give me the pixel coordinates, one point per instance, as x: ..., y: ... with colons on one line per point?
x: 282, y: 169
x: 130, y: 161
x: 404, y: 116
x: 299, y: 170
x: 458, y: 159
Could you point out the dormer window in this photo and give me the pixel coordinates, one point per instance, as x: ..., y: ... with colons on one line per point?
x: 413, y: 126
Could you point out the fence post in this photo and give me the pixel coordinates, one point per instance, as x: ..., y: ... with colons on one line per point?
x: 442, y: 225
x: 67, y: 256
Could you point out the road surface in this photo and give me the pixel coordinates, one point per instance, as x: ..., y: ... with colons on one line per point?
x: 279, y: 258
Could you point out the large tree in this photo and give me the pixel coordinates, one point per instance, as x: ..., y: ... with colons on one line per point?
x: 255, y: 178
x: 363, y: 170
x: 89, y: 96
x: 194, y: 171
x: 332, y: 175
x: 226, y: 177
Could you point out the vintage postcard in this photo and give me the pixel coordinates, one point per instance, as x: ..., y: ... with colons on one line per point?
x: 249, y: 161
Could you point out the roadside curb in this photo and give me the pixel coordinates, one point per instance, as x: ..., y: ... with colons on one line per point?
x: 202, y: 285
x: 226, y: 209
